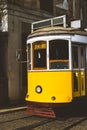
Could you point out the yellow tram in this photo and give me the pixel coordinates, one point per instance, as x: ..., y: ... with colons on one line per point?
x: 56, y: 66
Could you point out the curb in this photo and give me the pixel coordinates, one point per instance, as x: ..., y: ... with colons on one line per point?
x: 12, y: 109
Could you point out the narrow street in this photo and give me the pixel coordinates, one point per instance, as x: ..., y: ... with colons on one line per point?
x: 17, y: 119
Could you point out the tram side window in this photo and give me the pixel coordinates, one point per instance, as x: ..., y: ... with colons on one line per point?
x: 82, y: 51
x: 39, y: 55
x: 59, y: 54
x: 75, y: 56
x: 29, y: 56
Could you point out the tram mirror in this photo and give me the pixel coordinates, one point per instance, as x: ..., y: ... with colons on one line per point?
x: 18, y: 55
x: 21, y: 56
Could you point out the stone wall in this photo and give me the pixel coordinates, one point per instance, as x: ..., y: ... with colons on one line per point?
x: 31, y: 4
x: 19, y: 26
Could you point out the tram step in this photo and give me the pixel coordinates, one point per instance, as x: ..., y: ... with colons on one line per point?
x: 45, y: 112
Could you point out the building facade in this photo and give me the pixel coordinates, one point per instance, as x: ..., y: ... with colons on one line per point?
x: 16, y: 19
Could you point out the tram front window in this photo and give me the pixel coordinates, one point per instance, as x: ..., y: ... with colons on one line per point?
x: 39, y: 55
x: 59, y: 55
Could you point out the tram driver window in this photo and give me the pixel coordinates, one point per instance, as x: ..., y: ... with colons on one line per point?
x: 59, y: 55
x: 39, y: 55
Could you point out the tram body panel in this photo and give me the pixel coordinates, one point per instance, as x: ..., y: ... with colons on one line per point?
x: 79, y: 86
x: 83, y: 84
x: 56, y: 87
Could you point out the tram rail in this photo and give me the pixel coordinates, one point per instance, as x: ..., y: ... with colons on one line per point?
x: 19, y: 120
x: 37, y: 124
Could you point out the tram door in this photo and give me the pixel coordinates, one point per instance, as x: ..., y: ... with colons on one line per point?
x: 78, y: 60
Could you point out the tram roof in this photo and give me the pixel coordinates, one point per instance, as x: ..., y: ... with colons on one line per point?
x: 57, y: 30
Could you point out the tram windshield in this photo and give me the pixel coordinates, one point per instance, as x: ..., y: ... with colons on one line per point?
x: 56, y: 56
x: 59, y: 55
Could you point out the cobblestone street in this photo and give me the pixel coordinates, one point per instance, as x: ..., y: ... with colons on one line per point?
x: 19, y: 120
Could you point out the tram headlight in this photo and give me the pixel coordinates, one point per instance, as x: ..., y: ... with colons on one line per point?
x: 38, y: 89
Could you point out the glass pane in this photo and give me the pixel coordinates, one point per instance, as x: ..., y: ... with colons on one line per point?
x: 75, y: 75
x: 39, y: 54
x: 82, y: 56
x: 29, y: 56
x: 59, y: 55
x: 75, y: 56
x: 42, y: 24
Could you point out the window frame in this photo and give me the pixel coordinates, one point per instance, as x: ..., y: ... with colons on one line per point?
x: 69, y: 55
x: 38, y: 68
x: 47, y: 39
x: 79, y: 46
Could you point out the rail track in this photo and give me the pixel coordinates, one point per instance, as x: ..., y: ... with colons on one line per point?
x: 38, y: 124
x: 19, y: 120
x: 66, y: 120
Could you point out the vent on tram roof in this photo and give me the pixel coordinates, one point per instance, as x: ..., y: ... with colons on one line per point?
x: 61, y: 20
x: 76, y: 24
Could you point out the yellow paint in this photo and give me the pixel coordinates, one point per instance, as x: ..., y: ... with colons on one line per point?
x: 83, y: 89
x: 81, y: 83
x: 55, y: 85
